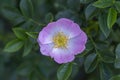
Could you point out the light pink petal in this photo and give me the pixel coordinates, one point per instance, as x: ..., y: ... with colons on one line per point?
x: 77, y: 44
x: 46, y: 35
x: 69, y: 27
x: 46, y: 48
x: 62, y: 55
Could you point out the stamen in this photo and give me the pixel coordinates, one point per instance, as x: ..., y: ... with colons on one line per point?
x: 60, y: 40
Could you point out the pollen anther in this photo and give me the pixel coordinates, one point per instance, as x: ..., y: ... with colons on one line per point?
x: 60, y: 40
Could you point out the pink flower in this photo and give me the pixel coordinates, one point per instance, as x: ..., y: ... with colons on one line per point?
x: 62, y: 40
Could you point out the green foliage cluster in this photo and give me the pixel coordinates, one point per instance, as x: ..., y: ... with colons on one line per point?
x: 21, y: 59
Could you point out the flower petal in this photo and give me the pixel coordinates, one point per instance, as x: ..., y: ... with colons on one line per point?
x: 77, y: 44
x: 46, y: 35
x: 46, y: 48
x: 69, y: 27
x: 62, y: 55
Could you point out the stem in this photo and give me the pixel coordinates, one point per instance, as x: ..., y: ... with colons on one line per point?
x: 27, y: 18
x: 36, y: 22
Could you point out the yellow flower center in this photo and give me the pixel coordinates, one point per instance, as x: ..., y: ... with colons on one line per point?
x: 60, y: 40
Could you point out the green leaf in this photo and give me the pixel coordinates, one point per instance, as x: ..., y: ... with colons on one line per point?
x: 26, y: 8
x: 66, y: 13
x: 75, y: 4
x: 107, y: 56
x: 13, y: 46
x: 116, y: 77
x: 103, y: 24
x: 103, y: 3
x: 10, y: 12
x: 117, y: 63
x: 118, y: 21
x: 89, y: 11
x: 89, y: 46
x: 117, y: 5
x: 105, y: 72
x: 117, y: 51
x: 64, y: 71
x: 20, y: 33
x: 90, y: 63
x: 32, y: 34
x: 27, y: 48
x: 112, y: 17
x: 49, y: 17
x: 117, y: 60
x: 13, y: 14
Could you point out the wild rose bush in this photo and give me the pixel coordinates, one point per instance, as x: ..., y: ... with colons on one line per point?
x: 83, y: 37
